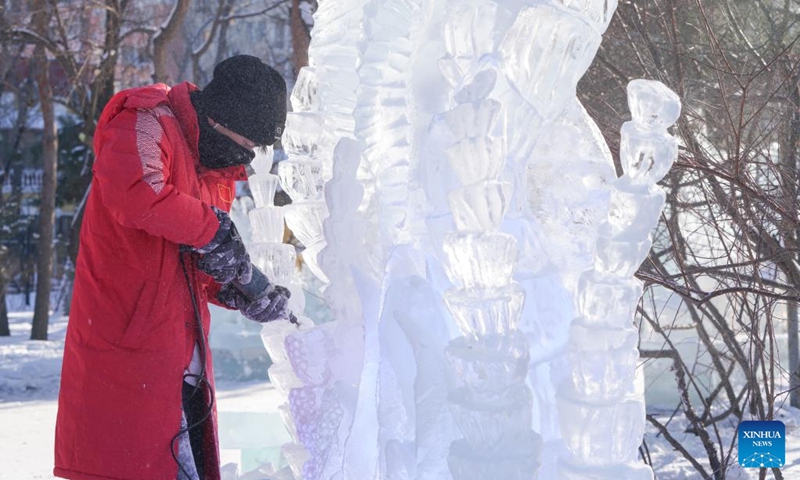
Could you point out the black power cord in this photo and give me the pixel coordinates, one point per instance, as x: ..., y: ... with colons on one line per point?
x: 200, y: 378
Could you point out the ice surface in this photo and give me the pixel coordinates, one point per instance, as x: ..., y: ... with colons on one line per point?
x: 653, y: 105
x: 517, y: 463
x: 278, y: 261
x: 304, y: 93
x: 630, y: 471
x: 481, y: 206
x: 486, y: 311
x: 495, y: 423
x: 266, y: 224
x: 632, y: 212
x: 301, y: 179
x: 476, y: 159
x: 601, y: 434
x: 263, y: 187
x: 608, y: 300
x: 603, y: 360
x: 303, y: 130
x: 543, y: 31
x: 617, y: 256
x: 480, y: 260
x: 646, y: 155
x: 491, y: 363
x: 305, y: 221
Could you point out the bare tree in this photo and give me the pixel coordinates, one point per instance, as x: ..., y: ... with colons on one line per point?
x: 44, y: 268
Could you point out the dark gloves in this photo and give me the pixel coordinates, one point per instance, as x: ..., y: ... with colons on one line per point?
x: 266, y: 308
x: 225, y: 257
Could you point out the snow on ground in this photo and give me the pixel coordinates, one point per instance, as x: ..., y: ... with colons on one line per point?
x: 250, y: 428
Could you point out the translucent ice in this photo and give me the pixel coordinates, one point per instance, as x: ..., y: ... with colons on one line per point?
x: 601, y: 434
x: 303, y: 130
x: 652, y: 104
x: 490, y: 363
x: 646, y: 155
x: 631, y: 471
x: 473, y: 119
x: 263, y: 187
x: 486, y: 311
x: 304, y: 93
x: 278, y: 261
x: 266, y: 224
x: 543, y: 31
x: 476, y: 159
x: 608, y: 300
x: 308, y: 352
x: 480, y: 260
x: 603, y: 360
x: 633, y: 213
x: 301, y: 179
x: 495, y: 425
x: 305, y: 221
x: 597, y: 12
x: 517, y: 463
x: 481, y: 206
x: 618, y: 256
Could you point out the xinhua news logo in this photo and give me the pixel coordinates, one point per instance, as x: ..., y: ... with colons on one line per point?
x: 762, y: 444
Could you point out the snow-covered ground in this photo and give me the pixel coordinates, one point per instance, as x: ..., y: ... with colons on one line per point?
x: 250, y: 428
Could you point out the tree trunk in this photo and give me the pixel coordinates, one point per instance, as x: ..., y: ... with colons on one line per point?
x: 790, y: 160
x: 5, y: 331
x: 163, y: 38
x: 44, y: 264
x: 301, y: 37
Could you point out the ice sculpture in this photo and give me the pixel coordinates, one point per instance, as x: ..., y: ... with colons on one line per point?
x: 601, y: 411
x: 455, y: 198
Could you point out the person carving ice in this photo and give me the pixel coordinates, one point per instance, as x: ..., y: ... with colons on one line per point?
x: 156, y: 245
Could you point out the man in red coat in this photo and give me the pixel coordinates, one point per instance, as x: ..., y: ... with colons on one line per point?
x: 136, y: 398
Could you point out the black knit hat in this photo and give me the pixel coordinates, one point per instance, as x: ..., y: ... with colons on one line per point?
x: 248, y: 97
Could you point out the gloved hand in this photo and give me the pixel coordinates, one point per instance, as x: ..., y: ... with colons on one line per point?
x: 266, y: 308
x: 225, y: 258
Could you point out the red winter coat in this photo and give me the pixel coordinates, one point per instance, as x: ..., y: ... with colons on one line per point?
x: 132, y: 325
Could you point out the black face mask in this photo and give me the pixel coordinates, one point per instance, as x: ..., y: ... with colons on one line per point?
x: 218, y: 151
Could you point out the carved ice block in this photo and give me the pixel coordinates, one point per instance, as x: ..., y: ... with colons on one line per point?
x: 518, y: 463
x: 301, y: 179
x: 493, y: 363
x: 274, y: 333
x: 305, y: 221
x: 263, y: 187
x: 468, y: 29
x: 285, y: 411
x: 646, y: 155
x: 473, y: 119
x: 304, y: 93
x: 481, y: 206
x: 568, y: 43
x: 597, y: 12
x: 652, y: 104
x: 278, y: 261
x: 607, y: 300
x: 476, y: 159
x: 476, y: 260
x: 634, y: 214
x: 283, y: 378
x: 311, y: 257
x: 486, y: 311
x: 495, y: 425
x: 630, y: 471
x: 601, y: 434
x: 303, y: 131
x: 309, y: 353
x: 603, y: 360
x: 619, y: 257
x: 267, y: 224
x: 296, y: 455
